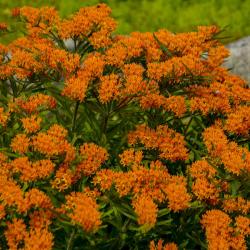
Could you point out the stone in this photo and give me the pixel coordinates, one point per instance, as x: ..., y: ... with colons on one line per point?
x: 239, y: 60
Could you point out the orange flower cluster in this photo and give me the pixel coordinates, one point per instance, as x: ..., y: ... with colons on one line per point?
x: 130, y: 157
x: 64, y: 177
x: 205, y: 185
x: 175, y: 104
x: 155, y: 183
x: 238, y: 122
x: 160, y: 246
x: 51, y: 177
x: 31, y: 171
x: 2, y: 212
x: 39, y: 238
x: 92, y: 158
x: 146, y: 210
x: 238, y: 204
x: 109, y: 87
x: 15, y: 12
x: 170, y: 143
x: 34, y: 239
x: 20, y: 144
x: 31, y: 124
x: 222, y: 97
x: 40, y: 20
x: 176, y: 68
x: 83, y: 210
x: 221, y: 235
x: 76, y: 86
x: 3, y: 26
x: 89, y: 19
x: 3, y: 117
x: 234, y: 158
x: 35, y: 103
x: 54, y: 142
x: 11, y: 196
x: 40, y: 56
x: 15, y: 233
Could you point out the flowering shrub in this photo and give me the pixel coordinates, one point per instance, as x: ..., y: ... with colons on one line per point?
x: 120, y: 142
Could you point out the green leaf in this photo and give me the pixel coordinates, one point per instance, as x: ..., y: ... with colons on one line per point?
x: 235, y: 185
x: 163, y: 212
x: 162, y: 46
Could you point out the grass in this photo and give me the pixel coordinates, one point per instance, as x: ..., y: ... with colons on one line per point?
x: 148, y: 15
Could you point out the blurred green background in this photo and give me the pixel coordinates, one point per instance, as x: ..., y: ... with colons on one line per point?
x: 150, y: 15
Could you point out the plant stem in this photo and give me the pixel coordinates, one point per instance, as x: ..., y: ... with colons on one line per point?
x: 74, y: 117
x: 71, y: 240
x: 188, y: 125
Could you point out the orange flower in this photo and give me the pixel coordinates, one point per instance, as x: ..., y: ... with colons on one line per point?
x: 177, y: 195
x: 201, y: 169
x: 221, y: 235
x: 215, y: 140
x: 138, y: 181
x: 239, y: 122
x: 215, y: 98
x: 175, y: 104
x: 218, y: 234
x: 39, y: 21
x: 83, y: 210
x: 170, y: 143
x: 36, y: 102
x: 40, y: 218
x: 243, y: 225
x: 104, y: 179
x: 146, y: 211
x: 20, y: 144
x: 31, y: 171
x: 13, y: 195
x: 63, y: 179
x: 4, y: 116
x: 38, y: 238
x: 87, y: 20
x: 134, y: 85
x: 205, y: 190
x: 2, y: 212
x: 130, y: 157
x: 15, y: 233
x: 205, y: 186
x: 116, y: 55
x: 145, y: 43
x: 15, y: 12
x: 93, y: 156
x: 234, y: 158
x: 160, y: 246
x: 76, y: 86
x: 35, y: 198
x: 54, y: 143
x: 152, y: 100
x: 3, y: 158
x: 31, y: 124
x: 175, y: 68
x: 237, y: 204
x: 109, y: 88
x: 3, y: 26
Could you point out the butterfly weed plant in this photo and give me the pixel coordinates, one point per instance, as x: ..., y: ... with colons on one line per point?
x: 136, y: 141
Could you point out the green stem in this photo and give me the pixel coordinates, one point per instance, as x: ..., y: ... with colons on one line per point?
x: 71, y: 240
x: 188, y: 125
x: 74, y: 117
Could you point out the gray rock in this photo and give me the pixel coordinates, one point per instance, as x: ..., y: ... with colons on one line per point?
x: 239, y: 60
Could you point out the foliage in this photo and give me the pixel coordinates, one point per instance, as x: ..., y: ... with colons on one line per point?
x: 147, y: 15
x: 120, y: 142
